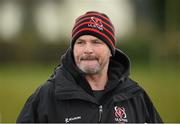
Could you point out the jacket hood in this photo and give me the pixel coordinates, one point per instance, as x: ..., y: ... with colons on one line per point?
x: 119, y: 68
x: 119, y: 65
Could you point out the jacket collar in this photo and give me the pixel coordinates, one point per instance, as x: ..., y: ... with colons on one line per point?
x: 66, y: 87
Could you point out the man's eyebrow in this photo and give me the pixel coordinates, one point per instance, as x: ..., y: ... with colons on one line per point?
x: 80, y: 39
x: 95, y: 39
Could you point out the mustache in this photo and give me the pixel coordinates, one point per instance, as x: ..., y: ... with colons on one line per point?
x: 88, y: 57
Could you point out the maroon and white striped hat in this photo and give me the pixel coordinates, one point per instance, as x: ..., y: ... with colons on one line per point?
x: 95, y: 24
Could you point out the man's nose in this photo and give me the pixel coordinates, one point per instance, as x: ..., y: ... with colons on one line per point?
x: 88, y: 49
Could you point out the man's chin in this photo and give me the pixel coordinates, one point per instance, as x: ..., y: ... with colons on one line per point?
x: 90, y: 70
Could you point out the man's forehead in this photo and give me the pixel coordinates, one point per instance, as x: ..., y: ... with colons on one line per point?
x: 88, y: 37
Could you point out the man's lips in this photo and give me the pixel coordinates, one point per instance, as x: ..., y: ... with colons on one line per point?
x: 89, y: 58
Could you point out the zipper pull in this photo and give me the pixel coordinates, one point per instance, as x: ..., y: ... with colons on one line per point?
x: 100, y: 113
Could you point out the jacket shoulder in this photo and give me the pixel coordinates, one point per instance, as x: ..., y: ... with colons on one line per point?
x: 44, y: 89
x: 151, y: 113
x: 35, y: 104
x: 132, y: 83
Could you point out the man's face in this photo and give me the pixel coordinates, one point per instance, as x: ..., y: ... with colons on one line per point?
x: 91, y: 54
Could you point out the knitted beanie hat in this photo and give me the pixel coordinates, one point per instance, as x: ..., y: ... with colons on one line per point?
x: 95, y: 24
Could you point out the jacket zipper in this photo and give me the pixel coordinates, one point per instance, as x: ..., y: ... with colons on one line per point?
x: 100, y: 113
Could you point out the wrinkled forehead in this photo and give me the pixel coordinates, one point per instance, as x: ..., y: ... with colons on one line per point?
x: 88, y: 38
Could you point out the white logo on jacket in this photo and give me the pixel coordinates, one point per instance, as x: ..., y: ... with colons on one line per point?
x: 120, y: 114
x: 67, y: 120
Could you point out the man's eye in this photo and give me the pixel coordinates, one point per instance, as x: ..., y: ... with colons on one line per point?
x: 79, y: 42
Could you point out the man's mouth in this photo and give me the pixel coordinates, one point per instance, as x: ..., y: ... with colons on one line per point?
x: 89, y: 58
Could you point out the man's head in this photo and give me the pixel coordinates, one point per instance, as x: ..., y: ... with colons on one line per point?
x: 93, y: 42
x: 95, y: 24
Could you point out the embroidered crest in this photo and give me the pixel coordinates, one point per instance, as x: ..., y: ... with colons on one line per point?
x: 97, y: 23
x: 120, y: 114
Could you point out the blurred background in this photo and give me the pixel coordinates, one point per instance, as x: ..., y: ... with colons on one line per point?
x: 35, y: 33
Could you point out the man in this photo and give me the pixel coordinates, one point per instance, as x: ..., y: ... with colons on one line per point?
x: 92, y: 83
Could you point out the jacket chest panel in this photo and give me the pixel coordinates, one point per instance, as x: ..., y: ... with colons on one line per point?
x: 77, y: 111
x: 114, y: 110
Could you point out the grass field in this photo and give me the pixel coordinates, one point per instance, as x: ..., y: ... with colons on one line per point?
x: 18, y: 81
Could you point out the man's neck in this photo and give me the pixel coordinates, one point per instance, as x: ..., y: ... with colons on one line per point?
x: 97, y: 81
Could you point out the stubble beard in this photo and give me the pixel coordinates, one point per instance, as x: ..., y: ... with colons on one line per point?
x: 90, y: 70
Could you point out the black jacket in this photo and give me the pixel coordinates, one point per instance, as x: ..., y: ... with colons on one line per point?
x: 67, y: 97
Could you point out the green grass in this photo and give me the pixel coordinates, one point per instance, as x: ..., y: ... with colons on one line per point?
x: 17, y: 82
x: 162, y: 83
